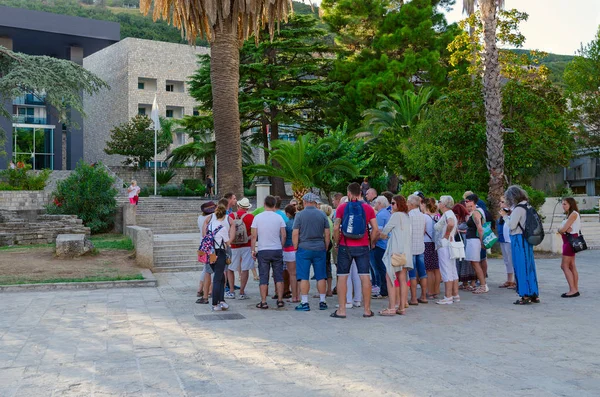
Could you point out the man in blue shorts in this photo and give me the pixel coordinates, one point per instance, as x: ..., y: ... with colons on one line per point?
x: 311, y: 236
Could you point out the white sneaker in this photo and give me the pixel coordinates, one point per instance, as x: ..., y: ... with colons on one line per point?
x: 230, y: 295
x: 217, y: 308
x: 223, y: 305
x: 456, y: 298
x: 445, y: 301
x: 487, y: 289
x: 348, y: 305
x: 355, y: 304
x: 243, y: 296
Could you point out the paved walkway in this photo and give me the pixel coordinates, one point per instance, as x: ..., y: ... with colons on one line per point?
x: 149, y: 342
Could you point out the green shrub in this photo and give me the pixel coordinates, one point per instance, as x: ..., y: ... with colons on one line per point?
x: 193, y: 184
x: 6, y: 186
x: 537, y: 198
x: 163, y: 177
x: 146, y: 192
x: 88, y: 193
x: 24, y: 179
x: 409, y: 188
x: 249, y: 192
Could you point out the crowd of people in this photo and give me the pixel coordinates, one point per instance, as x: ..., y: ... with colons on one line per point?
x: 384, y: 246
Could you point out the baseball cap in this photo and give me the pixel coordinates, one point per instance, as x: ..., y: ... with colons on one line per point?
x: 311, y: 198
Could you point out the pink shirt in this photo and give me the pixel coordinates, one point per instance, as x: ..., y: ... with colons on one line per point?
x: 364, y: 241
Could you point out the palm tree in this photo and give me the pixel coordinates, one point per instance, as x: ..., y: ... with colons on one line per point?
x: 168, y: 127
x: 298, y: 163
x: 394, y: 117
x: 202, y: 148
x: 225, y: 24
x: 492, y: 96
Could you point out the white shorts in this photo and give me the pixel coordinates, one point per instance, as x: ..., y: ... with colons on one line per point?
x: 241, y: 257
x: 289, y: 256
x: 473, y: 250
x: 447, y: 265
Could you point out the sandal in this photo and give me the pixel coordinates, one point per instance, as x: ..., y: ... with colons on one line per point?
x: 280, y: 304
x: 470, y: 288
x: 401, y: 312
x: 479, y: 291
x: 522, y: 301
x: 335, y: 315
x: 505, y: 285
x: 262, y: 305
x: 287, y: 295
x: 422, y: 301
x: 387, y: 312
x: 413, y: 304
x: 535, y: 299
x: 371, y: 314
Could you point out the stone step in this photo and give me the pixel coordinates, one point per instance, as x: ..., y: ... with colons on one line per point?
x: 179, y: 257
x: 183, y: 267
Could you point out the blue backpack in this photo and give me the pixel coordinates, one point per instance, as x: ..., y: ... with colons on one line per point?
x: 354, y: 221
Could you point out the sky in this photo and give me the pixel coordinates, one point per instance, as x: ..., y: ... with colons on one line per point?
x: 556, y: 26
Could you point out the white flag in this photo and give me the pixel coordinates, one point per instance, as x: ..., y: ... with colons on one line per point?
x: 154, y: 114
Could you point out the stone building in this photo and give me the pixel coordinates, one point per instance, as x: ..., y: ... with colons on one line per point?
x: 136, y: 70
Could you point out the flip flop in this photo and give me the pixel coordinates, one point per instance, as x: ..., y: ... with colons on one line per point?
x: 387, y: 312
x: 335, y: 315
x: 422, y: 301
x: 413, y: 304
x: 371, y: 314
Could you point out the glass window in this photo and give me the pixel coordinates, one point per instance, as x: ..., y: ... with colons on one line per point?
x: 170, y: 113
x: 142, y: 111
x: 140, y: 85
x: 170, y: 87
x: 196, y: 112
x: 181, y: 138
x: 34, y: 146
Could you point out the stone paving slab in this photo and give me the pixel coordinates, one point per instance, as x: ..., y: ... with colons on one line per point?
x: 151, y: 342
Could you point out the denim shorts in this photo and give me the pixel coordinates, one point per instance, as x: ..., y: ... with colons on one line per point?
x: 418, y: 267
x: 359, y: 254
x: 268, y: 259
x: 304, y: 258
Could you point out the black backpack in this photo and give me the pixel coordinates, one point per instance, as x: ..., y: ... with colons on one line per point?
x: 533, y: 231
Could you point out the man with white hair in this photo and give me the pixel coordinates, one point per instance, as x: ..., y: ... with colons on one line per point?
x: 371, y: 195
x: 418, y: 250
x: 383, y: 209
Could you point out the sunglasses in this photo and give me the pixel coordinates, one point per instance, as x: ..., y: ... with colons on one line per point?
x: 393, y: 202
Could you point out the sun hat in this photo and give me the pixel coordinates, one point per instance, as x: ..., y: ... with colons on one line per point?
x: 311, y: 198
x: 208, y: 207
x: 244, y: 203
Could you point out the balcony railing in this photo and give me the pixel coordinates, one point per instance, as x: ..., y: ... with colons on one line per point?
x: 29, y: 119
x: 30, y: 99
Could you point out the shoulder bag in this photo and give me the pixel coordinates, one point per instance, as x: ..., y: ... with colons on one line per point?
x: 578, y: 243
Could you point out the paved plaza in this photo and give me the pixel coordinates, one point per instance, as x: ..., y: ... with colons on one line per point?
x: 158, y: 342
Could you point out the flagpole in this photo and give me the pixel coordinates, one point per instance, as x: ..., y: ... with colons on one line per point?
x: 156, y: 119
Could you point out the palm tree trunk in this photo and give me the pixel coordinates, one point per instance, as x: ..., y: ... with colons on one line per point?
x: 277, y: 184
x: 493, y: 104
x: 224, y: 77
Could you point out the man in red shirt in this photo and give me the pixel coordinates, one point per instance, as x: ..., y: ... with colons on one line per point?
x: 241, y: 257
x: 354, y: 249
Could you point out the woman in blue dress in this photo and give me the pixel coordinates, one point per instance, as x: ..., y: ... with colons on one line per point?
x: 522, y: 252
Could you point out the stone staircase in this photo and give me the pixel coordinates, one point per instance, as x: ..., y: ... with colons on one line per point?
x: 15, y: 230
x: 176, y: 252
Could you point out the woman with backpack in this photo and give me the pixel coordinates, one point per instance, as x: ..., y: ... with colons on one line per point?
x: 219, y: 224
x: 522, y: 252
x: 571, y: 225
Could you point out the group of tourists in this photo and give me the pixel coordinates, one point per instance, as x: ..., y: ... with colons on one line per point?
x: 383, y: 246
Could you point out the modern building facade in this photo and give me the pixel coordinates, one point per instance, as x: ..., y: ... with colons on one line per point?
x: 35, y: 135
x: 136, y: 71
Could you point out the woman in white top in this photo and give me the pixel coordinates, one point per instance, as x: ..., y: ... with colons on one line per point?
x: 133, y: 192
x: 399, y: 231
x: 445, y: 230
x: 571, y: 225
x: 221, y: 242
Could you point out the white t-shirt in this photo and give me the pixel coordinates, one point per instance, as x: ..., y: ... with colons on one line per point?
x: 135, y: 190
x: 201, y: 220
x: 576, y: 226
x: 268, y: 226
x: 223, y: 234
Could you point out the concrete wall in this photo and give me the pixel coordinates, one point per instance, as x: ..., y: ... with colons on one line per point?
x: 143, y: 241
x: 122, y: 66
x: 23, y: 200
x: 145, y: 177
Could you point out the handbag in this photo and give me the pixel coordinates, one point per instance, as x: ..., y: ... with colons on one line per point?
x: 489, y: 237
x: 457, y: 248
x: 578, y: 243
x: 398, y: 260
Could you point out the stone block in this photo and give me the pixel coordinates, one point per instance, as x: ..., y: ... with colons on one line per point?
x: 143, y: 241
x: 72, y: 245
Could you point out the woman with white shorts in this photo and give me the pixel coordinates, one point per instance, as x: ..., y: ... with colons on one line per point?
x: 445, y: 230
